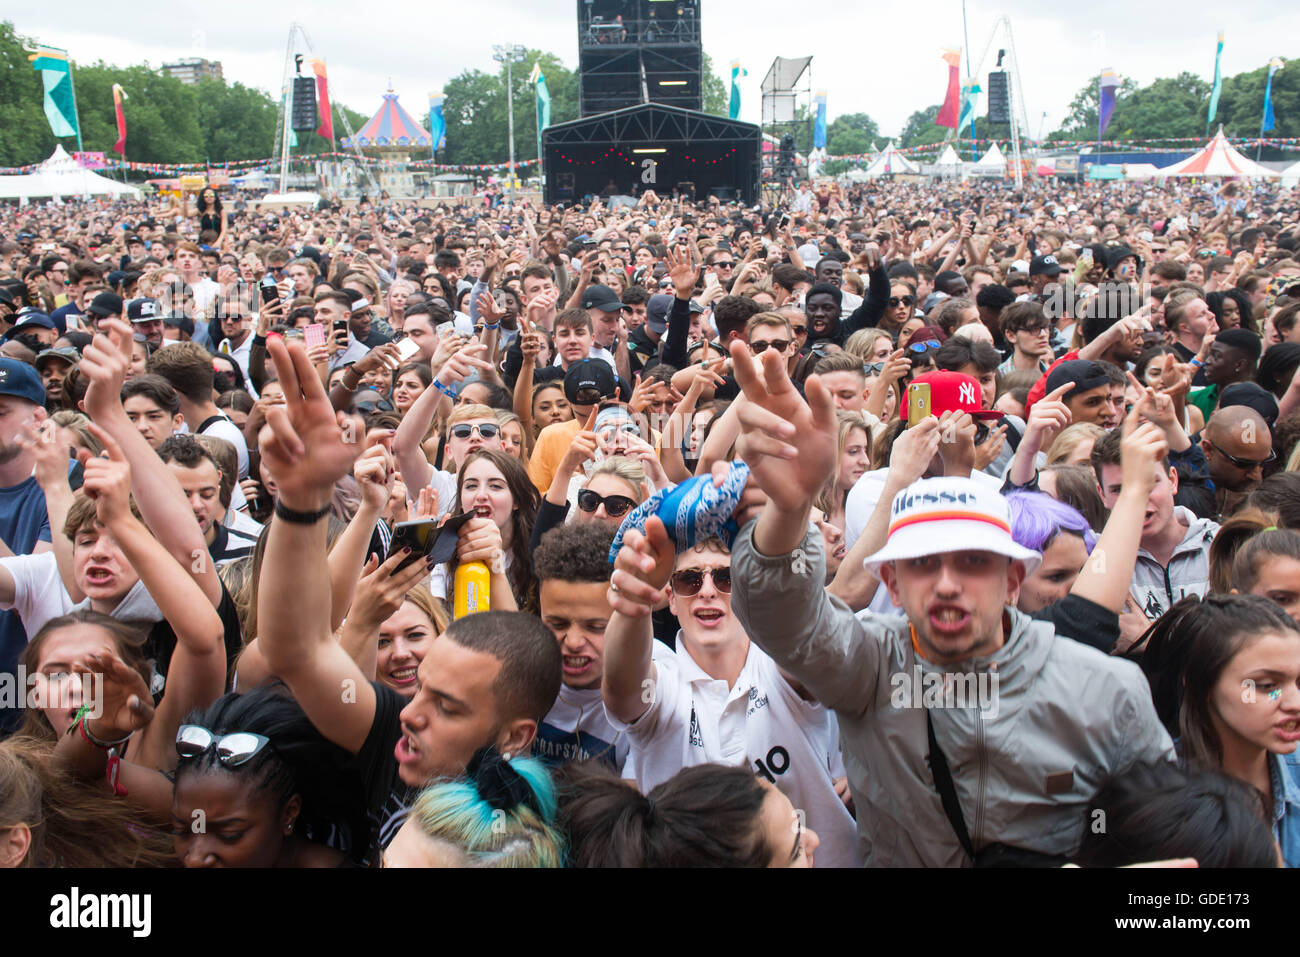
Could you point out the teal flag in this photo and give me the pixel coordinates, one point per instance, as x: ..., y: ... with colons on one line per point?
x: 1268, y: 122
x: 538, y: 79
x: 60, y: 104
x: 1218, y: 86
x: 733, y: 109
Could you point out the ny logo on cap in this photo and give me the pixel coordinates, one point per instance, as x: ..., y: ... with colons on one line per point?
x: 967, y: 393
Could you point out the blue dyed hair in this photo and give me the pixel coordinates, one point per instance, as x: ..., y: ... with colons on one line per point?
x: 455, y: 812
x: 1037, y: 518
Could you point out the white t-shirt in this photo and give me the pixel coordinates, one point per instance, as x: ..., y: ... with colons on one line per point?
x: 577, y: 729
x: 857, y: 512
x: 39, y: 595
x: 761, y: 723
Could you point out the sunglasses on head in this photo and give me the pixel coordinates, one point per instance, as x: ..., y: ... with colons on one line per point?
x: 780, y: 345
x: 234, y: 749
x: 486, y: 429
x: 689, y: 581
x: 873, y: 368
x: 924, y: 346
x: 616, y: 506
x: 901, y: 300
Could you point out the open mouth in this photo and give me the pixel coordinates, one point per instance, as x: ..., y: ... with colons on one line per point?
x: 1289, y: 730
x: 575, y: 665
x: 403, y: 677
x: 709, y: 617
x: 948, y: 620
x: 483, y: 511
x: 99, y: 576
x: 407, y: 750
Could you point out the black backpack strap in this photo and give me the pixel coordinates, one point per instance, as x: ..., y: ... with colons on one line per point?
x: 947, y: 792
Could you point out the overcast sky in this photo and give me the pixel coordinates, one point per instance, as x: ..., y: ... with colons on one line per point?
x: 882, y: 59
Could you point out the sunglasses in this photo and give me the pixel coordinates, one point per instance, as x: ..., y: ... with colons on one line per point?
x: 901, y: 300
x: 616, y: 506
x: 926, y: 346
x: 234, y: 749
x: 873, y: 368
x: 486, y: 430
x: 1246, y: 464
x: 780, y: 345
x: 727, y: 265
x: 689, y: 581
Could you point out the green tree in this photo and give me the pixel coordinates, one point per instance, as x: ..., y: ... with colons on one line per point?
x: 27, y: 137
x: 1241, y: 105
x: 851, y: 133
x: 476, y: 105
x: 717, y: 91
x: 162, y: 114
x: 921, y: 129
x: 1081, y: 119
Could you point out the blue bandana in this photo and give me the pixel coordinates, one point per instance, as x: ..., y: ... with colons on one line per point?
x: 692, y: 512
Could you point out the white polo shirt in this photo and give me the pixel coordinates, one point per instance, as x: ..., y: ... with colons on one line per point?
x: 760, y: 723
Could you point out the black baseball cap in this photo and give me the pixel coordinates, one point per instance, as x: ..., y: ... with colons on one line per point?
x: 142, y: 310
x: 1083, y: 373
x: 601, y: 297
x: 105, y: 304
x: 1044, y: 266
x: 589, y: 374
x: 1250, y: 395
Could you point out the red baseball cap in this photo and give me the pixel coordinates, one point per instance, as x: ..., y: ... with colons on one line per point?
x: 954, y: 392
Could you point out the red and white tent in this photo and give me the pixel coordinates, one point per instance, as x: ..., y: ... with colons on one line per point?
x: 1218, y: 158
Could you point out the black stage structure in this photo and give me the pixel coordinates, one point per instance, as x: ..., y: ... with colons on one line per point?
x: 641, y: 83
x: 652, y: 146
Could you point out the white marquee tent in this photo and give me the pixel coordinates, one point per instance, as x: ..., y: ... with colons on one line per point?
x: 891, y: 161
x: 1291, y: 175
x: 991, y: 164
x: 61, y: 175
x: 1218, y: 158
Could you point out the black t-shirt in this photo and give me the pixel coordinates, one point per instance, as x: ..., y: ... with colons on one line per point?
x: 162, y: 639
x: 1083, y: 620
x: 387, y: 798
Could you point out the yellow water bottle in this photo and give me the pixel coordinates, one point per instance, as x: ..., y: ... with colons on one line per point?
x: 473, y: 588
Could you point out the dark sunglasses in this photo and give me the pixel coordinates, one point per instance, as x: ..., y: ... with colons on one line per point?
x: 465, y: 429
x: 616, y: 506
x: 1246, y: 464
x: 780, y: 345
x: 904, y: 301
x: 234, y: 749
x: 726, y: 265
x: 924, y: 346
x: 689, y: 581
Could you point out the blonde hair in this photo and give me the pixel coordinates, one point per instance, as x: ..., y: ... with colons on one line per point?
x: 846, y: 423
x: 504, y: 417
x: 79, y: 425
x: 1071, y: 437
x: 629, y: 470
x: 863, y: 342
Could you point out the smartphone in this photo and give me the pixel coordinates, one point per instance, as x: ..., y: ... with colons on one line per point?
x: 918, y: 402
x: 1194, y: 220
x: 339, y: 325
x: 314, y: 334
x: 1085, y: 254
x: 425, y: 538
x: 268, y: 289
x: 406, y: 348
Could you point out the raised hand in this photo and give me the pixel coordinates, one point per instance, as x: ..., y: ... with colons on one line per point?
x: 306, y: 445
x: 462, y: 363
x: 789, y: 444
x: 127, y: 705
x: 104, y: 363
x: 374, y: 472
x: 487, y: 308
x: 381, y: 589
x: 680, y: 261
x: 641, y: 570
x: 1047, y: 418
x: 107, y: 479
x: 42, y: 441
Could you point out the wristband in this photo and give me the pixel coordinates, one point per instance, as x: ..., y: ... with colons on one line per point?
x: 300, y: 518
x: 444, y: 390
x: 491, y: 325
x: 1197, y: 362
x: 259, y: 340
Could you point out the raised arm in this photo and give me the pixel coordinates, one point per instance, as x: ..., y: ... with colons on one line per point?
x: 415, y: 468
x: 52, y: 476
x: 197, y: 674
x: 641, y: 573
x: 158, y: 494
x: 304, y: 447
x: 374, y: 472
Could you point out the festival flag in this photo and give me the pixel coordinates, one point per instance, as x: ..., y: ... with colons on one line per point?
x: 326, y: 128
x: 1218, y: 86
x: 538, y: 79
x: 733, y: 110
x: 819, y: 124
x: 1267, y: 123
x: 951, y: 108
x: 437, y: 122
x: 1107, y: 85
x: 119, y: 97
x: 60, y: 103
x: 970, y: 102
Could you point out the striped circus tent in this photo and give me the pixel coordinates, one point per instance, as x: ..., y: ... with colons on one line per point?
x: 391, y: 126
x: 1219, y: 158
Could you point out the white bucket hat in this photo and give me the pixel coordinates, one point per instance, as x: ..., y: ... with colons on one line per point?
x: 940, y: 515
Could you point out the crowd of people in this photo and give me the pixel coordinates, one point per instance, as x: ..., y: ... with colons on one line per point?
x: 899, y: 525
